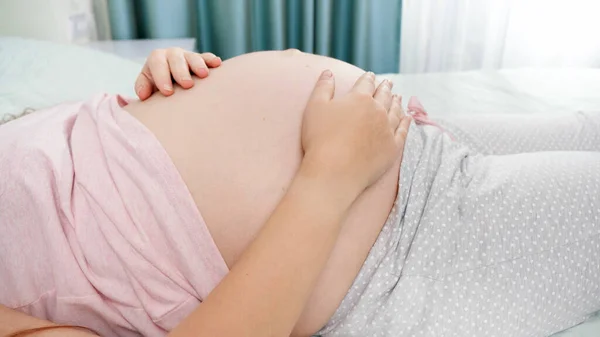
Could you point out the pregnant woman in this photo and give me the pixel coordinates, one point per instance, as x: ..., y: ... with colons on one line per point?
x: 124, y: 217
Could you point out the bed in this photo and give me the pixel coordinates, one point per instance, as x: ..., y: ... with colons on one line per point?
x: 36, y: 74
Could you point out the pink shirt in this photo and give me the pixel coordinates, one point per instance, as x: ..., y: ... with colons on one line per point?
x: 97, y: 228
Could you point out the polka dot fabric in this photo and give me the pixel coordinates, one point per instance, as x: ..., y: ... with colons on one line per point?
x: 484, y: 240
x: 511, y: 134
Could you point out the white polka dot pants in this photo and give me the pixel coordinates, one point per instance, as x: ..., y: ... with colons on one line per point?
x: 509, y: 134
x: 494, y: 234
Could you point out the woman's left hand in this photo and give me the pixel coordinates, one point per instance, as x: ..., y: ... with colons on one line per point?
x: 179, y: 63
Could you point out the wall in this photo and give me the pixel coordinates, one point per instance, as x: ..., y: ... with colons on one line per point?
x: 55, y: 20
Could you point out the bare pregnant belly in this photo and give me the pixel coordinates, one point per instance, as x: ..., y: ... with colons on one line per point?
x: 235, y: 139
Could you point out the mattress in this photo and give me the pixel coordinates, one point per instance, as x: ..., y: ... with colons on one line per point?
x: 36, y: 74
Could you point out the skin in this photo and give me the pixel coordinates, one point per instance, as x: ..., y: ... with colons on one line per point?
x: 313, y: 221
x: 12, y: 321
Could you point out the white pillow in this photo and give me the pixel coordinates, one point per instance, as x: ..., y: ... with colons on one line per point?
x: 37, y: 74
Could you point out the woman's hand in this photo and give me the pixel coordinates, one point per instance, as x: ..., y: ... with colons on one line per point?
x: 164, y: 63
x: 355, y: 138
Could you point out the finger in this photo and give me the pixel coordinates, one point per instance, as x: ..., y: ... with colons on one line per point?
x: 159, y: 72
x: 179, y: 68
x: 394, y: 113
x: 402, y: 131
x: 212, y: 60
x: 402, y: 113
x: 365, y: 84
x: 383, y: 94
x: 143, y: 85
x: 197, y: 63
x: 324, y: 88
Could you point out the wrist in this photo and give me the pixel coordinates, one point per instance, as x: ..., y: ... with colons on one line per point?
x: 337, y: 186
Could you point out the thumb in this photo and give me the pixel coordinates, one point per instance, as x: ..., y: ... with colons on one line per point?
x: 324, y: 88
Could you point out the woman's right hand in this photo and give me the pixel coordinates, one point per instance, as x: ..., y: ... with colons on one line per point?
x: 355, y: 138
x: 165, y: 65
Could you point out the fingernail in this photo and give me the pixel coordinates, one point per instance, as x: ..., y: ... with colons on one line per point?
x: 390, y: 83
x: 326, y: 74
x: 371, y: 74
x: 211, y: 57
x: 186, y: 78
x: 168, y: 87
x: 202, y: 72
x: 139, y: 88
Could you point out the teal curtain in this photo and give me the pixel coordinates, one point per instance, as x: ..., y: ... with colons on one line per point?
x: 363, y: 32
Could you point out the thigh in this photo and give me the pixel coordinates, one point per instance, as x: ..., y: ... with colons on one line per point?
x: 528, y: 203
x: 527, y: 244
x: 508, y: 134
x: 511, y: 250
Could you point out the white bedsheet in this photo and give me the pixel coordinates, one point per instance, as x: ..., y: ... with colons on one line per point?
x: 504, y: 91
x: 35, y: 74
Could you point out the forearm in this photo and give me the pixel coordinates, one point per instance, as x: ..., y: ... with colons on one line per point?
x: 12, y: 321
x: 265, y: 291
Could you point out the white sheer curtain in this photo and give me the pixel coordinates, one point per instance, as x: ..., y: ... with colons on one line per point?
x: 453, y: 35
